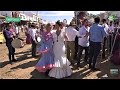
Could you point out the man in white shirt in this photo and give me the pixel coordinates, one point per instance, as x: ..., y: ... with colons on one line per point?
x: 83, y: 41
x: 71, y: 33
x: 106, y: 28
x: 32, y: 31
x: 111, y: 31
x: 111, y: 27
x: 16, y: 30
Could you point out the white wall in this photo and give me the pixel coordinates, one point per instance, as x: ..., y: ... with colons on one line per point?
x: 6, y: 13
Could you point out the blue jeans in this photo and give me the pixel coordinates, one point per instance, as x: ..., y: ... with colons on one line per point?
x: 33, y: 48
x: 11, y: 52
x: 80, y: 50
x: 95, y: 48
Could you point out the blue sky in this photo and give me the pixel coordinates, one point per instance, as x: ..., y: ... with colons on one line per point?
x: 53, y: 16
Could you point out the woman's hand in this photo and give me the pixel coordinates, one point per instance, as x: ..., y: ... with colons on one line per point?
x: 66, y: 38
x: 87, y: 34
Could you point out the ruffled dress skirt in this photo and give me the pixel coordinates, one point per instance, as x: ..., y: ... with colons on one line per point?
x: 46, y: 62
x: 61, y: 68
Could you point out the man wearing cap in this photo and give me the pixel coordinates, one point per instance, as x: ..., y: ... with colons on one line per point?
x: 71, y: 33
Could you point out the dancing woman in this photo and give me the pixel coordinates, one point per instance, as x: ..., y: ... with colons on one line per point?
x: 46, y: 62
x: 61, y: 68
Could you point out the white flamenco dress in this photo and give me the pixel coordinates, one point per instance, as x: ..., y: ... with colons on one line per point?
x: 61, y: 68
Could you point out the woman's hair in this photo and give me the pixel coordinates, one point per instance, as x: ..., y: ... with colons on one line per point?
x: 59, y: 23
x: 43, y: 26
x: 48, y: 25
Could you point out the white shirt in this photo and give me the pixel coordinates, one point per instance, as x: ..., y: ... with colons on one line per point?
x: 84, y: 41
x: 111, y: 28
x: 71, y: 33
x: 16, y: 30
x: 106, y: 28
x: 32, y: 32
x: 38, y: 30
x: 53, y: 31
x: 64, y: 28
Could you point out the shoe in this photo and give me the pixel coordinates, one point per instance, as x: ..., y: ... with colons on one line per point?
x: 103, y: 56
x: 95, y: 69
x: 34, y: 56
x: 14, y: 60
x: 47, y: 72
x: 85, y: 61
x: 78, y: 65
x: 90, y: 66
x: 72, y: 63
x: 11, y: 62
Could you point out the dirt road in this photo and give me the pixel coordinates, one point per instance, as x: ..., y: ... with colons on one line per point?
x: 24, y: 68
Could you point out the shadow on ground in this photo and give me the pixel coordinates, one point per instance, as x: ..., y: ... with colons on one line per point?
x: 105, y: 72
x: 25, y: 55
x: 26, y: 65
x: 37, y: 75
x: 2, y: 64
x: 104, y: 66
x: 28, y: 51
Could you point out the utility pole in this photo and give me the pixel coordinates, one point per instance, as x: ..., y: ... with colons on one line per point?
x: 37, y: 17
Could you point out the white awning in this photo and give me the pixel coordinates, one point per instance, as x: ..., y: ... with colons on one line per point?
x: 2, y: 17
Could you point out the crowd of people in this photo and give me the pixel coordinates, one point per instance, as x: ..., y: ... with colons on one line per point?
x: 59, y: 47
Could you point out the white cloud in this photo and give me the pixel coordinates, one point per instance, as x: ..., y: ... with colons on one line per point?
x: 58, y: 13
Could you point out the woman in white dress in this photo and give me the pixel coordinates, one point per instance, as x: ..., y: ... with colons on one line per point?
x: 61, y: 68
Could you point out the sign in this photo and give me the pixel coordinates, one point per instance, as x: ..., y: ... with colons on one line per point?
x: 10, y: 19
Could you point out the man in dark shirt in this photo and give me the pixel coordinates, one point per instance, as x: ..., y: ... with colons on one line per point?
x: 9, y: 38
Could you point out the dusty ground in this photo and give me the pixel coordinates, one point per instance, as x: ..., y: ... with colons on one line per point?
x: 24, y: 68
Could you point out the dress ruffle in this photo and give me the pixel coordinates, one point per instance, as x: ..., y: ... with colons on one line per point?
x: 58, y: 72
x: 44, y: 68
x: 47, y: 60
